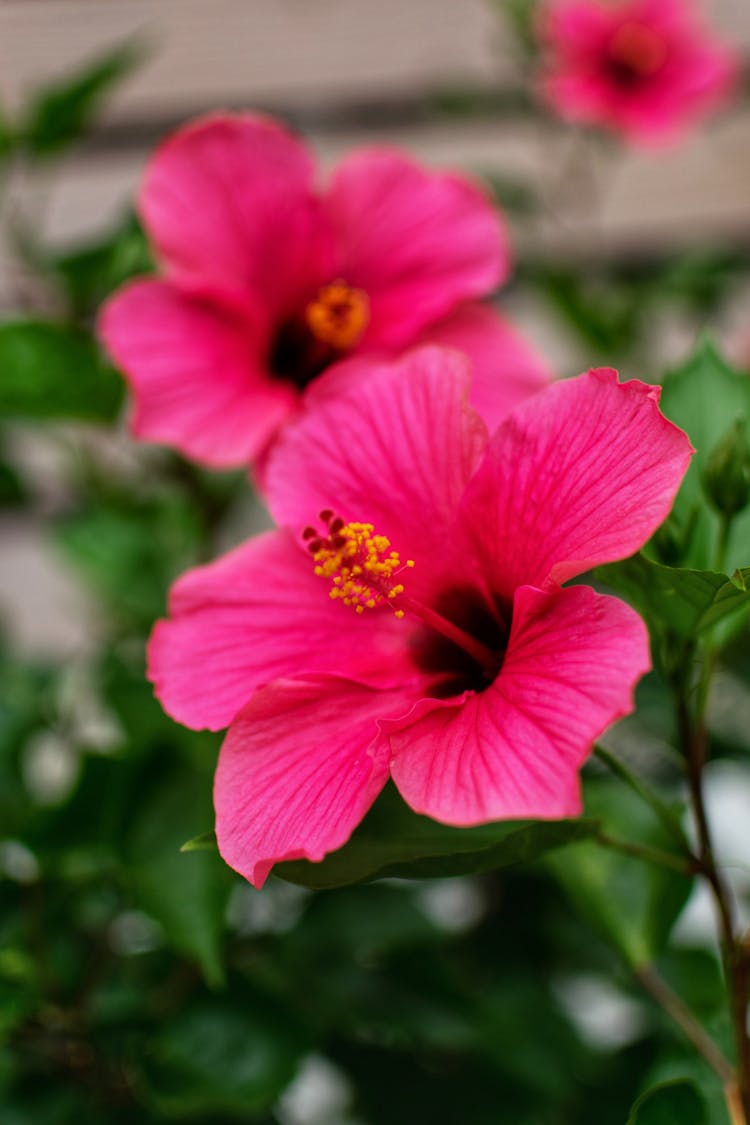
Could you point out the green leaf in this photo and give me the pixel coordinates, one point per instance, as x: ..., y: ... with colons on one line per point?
x: 130, y: 548
x: 186, y: 894
x: 632, y: 903
x: 705, y: 397
x: 220, y: 1055
x: 672, y: 1103
x: 50, y: 370
x: 7, y: 137
x: 396, y: 842
x: 686, y: 601
x: 89, y: 274
x: 61, y: 112
x: 206, y: 842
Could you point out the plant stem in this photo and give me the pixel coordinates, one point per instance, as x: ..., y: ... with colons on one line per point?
x: 649, y: 855
x: 684, y: 1018
x: 693, y: 735
x: 662, y: 810
x: 722, y: 544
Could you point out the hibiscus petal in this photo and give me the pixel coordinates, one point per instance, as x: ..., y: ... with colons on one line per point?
x: 195, y: 374
x: 299, y: 768
x: 416, y: 241
x: 579, y: 475
x: 395, y: 450
x: 256, y: 614
x: 515, y: 749
x: 505, y: 368
x: 228, y: 202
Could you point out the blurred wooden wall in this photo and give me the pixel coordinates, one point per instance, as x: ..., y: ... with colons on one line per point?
x: 350, y: 71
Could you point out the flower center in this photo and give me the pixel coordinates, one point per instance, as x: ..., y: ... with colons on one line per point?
x: 319, y: 334
x: 338, y: 315
x: 635, y: 52
x: 363, y: 570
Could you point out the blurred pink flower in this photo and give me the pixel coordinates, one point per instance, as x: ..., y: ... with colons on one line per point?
x: 643, y: 68
x: 268, y: 283
x: 407, y: 619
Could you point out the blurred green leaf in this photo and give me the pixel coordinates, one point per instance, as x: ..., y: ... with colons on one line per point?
x: 59, y: 113
x: 7, y: 137
x: 394, y: 841
x: 686, y: 601
x: 632, y: 903
x: 130, y: 548
x: 232, y: 1055
x: 706, y: 397
x: 186, y: 894
x: 603, y: 316
x: 206, y: 842
x: 89, y: 274
x: 49, y: 370
x: 672, y: 1103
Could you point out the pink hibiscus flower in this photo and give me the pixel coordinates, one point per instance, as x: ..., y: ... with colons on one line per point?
x: 643, y: 68
x: 267, y: 284
x: 407, y: 619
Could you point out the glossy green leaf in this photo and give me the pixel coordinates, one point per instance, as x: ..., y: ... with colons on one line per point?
x: 50, y: 370
x: 686, y: 601
x: 186, y: 894
x: 706, y: 397
x: 672, y: 1103
x: 60, y: 112
x: 394, y: 841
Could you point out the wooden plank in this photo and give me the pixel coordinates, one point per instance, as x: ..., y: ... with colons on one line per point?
x: 275, y: 52
x: 692, y: 194
x: 251, y: 50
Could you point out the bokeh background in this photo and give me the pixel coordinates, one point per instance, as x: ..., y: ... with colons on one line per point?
x: 141, y: 984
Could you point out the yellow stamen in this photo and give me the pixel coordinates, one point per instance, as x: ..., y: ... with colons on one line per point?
x: 339, y: 315
x: 360, y: 565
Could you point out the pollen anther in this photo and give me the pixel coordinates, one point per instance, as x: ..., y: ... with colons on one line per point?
x: 359, y: 563
x: 338, y: 315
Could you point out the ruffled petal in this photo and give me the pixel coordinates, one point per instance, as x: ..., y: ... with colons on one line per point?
x: 579, y: 475
x: 514, y: 750
x: 299, y: 768
x: 195, y: 373
x: 228, y: 202
x: 505, y: 368
x: 395, y: 450
x: 417, y: 241
x: 254, y: 615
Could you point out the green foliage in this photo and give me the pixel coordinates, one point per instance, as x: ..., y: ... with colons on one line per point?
x: 394, y: 841
x: 230, y: 1055
x: 60, y: 112
x: 673, y: 1103
x: 88, y: 274
x: 49, y: 370
x: 707, y: 399
x: 634, y: 904
x: 687, y: 602
x: 186, y: 894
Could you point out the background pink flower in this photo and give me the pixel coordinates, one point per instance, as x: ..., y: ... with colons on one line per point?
x: 444, y: 654
x: 267, y: 283
x: 643, y: 68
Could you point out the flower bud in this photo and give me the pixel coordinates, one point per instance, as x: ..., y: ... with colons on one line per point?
x: 726, y: 476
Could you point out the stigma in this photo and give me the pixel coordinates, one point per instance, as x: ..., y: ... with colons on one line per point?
x: 360, y: 564
x: 338, y: 315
